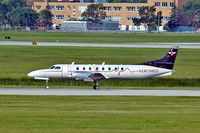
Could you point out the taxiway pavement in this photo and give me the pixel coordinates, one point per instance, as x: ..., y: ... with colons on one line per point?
x: 90, y: 92
x: 125, y: 45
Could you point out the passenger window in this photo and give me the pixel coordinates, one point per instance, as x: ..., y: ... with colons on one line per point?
x: 83, y: 68
x: 102, y: 68
x: 97, y: 68
x: 109, y: 69
x: 77, y: 68
x: 115, y: 68
x: 90, y: 68
x: 122, y: 68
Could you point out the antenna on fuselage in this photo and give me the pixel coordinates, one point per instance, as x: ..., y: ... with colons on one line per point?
x: 103, y: 63
x: 73, y: 63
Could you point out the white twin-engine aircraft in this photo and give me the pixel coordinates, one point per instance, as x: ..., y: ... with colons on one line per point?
x: 95, y: 73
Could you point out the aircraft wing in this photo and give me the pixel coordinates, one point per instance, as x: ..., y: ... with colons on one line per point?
x: 97, y: 76
x: 88, y: 76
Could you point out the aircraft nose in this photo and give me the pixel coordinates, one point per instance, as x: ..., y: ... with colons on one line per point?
x: 31, y: 74
x: 35, y: 73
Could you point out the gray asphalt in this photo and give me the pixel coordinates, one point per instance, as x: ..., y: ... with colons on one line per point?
x: 126, y: 45
x: 90, y: 92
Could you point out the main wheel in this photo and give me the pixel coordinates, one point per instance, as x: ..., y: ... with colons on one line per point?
x: 96, y: 87
x: 47, y: 87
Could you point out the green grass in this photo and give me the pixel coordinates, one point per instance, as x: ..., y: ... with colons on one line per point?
x: 100, y: 37
x: 17, y: 61
x: 39, y: 114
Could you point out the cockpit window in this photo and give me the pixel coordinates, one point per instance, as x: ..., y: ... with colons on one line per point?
x: 57, y: 67
x: 52, y: 67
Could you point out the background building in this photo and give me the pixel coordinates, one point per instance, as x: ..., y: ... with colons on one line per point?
x: 122, y: 12
x: 82, y: 26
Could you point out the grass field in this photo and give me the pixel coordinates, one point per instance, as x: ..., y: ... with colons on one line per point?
x: 39, y: 114
x: 100, y: 37
x: 17, y: 61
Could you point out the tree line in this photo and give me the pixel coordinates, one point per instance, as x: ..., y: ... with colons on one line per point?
x: 188, y: 15
x: 15, y: 13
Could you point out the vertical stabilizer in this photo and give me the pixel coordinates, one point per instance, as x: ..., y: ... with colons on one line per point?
x: 167, y: 61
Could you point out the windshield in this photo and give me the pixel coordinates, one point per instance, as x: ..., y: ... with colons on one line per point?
x: 52, y: 67
x: 57, y: 67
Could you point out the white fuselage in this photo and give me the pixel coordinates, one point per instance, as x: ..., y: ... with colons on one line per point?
x: 82, y: 71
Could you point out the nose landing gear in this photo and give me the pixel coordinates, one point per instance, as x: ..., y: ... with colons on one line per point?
x: 47, y: 86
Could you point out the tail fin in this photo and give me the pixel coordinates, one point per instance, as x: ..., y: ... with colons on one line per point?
x: 167, y: 61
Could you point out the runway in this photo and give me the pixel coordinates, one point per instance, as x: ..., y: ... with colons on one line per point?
x: 125, y: 45
x: 90, y: 92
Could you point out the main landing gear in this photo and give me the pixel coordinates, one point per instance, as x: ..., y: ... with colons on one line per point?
x: 96, y: 85
x: 47, y: 86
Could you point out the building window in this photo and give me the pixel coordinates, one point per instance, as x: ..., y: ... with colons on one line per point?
x: 164, y: 4
x: 117, y: 8
x: 60, y: 7
x: 157, y: 3
x: 30, y: 6
x: 130, y: 8
x: 52, y: 8
x: 116, y: 18
x: 68, y: 8
x: 137, y: 8
x: 59, y: 16
x: 130, y: 17
x: 108, y: 18
x: 107, y: 8
x: 172, y: 4
x: 37, y: 7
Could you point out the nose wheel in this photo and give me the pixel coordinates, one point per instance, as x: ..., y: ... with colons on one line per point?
x: 96, y: 85
x: 47, y: 86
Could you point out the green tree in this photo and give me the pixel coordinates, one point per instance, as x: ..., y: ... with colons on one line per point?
x: 188, y: 15
x: 15, y: 13
x: 159, y: 18
x: 147, y: 17
x: 94, y: 13
x: 45, y: 18
x: 22, y: 16
x: 12, y: 4
x: 192, y: 9
x: 31, y: 17
x: 191, y: 5
x: 3, y: 12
